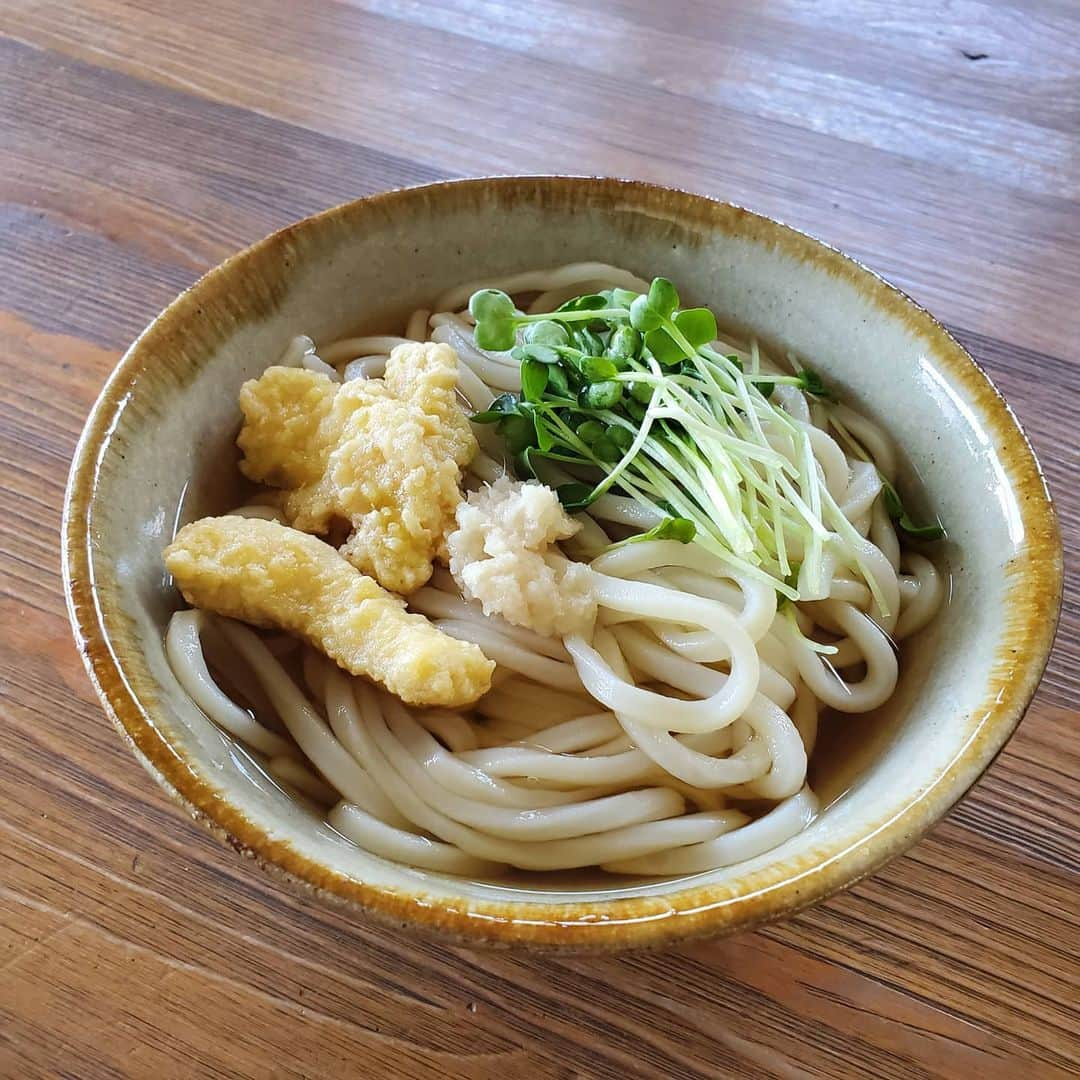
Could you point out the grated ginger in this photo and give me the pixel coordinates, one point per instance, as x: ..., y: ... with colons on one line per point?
x: 500, y: 556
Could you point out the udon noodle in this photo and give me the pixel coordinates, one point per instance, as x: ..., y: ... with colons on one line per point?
x: 671, y: 739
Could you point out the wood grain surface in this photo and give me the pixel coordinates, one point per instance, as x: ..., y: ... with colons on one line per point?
x: 144, y: 140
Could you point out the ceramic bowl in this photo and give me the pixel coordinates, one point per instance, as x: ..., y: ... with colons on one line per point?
x: 159, y: 444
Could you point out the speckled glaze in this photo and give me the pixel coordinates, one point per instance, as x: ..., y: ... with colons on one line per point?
x: 160, y: 443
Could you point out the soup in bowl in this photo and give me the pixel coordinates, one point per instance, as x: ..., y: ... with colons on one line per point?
x: 558, y: 562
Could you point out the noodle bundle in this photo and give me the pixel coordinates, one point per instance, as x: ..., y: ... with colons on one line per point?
x: 671, y: 737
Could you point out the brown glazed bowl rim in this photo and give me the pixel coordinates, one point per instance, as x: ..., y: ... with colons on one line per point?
x: 1033, y: 589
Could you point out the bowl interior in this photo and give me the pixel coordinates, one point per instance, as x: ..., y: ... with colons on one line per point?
x: 160, y: 450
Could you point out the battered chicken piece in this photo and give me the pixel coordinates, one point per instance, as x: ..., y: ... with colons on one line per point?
x: 382, y: 455
x: 271, y: 575
x: 284, y: 412
x: 426, y: 374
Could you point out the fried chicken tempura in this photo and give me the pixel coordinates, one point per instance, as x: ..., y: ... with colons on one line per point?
x: 271, y: 575
x: 384, y: 455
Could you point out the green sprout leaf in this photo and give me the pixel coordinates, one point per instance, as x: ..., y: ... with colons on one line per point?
x: 544, y: 354
x: 811, y: 382
x: 921, y: 532
x: 547, y: 332
x: 558, y: 383
x: 574, y: 497
x: 588, y: 341
x: 894, y: 507
x: 623, y: 298
x: 545, y: 436
x: 590, y: 431
x: 518, y: 431
x: 524, y: 468
x: 623, y: 345
x: 496, y: 320
x: 671, y: 528
x: 663, y: 297
x: 495, y: 335
x: 663, y: 347
x: 642, y: 316
x: 489, y: 304
x: 596, y: 368
x: 601, y: 395
x: 606, y: 449
x: 588, y: 302
x: 534, y: 379
x: 698, y: 325
x: 500, y: 407
x: 621, y: 437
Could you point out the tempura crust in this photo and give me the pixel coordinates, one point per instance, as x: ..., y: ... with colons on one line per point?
x: 284, y: 412
x: 271, y: 575
x: 383, y: 455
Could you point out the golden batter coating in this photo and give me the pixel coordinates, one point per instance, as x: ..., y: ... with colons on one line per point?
x: 271, y: 575
x: 383, y: 455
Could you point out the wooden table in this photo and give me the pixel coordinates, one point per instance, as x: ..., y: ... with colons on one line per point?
x: 143, y: 141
